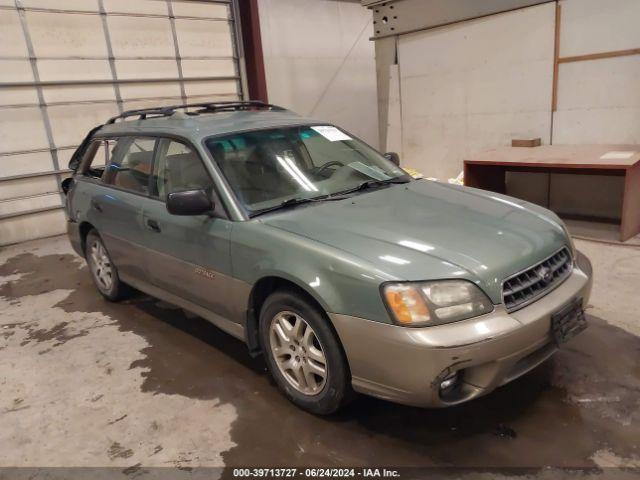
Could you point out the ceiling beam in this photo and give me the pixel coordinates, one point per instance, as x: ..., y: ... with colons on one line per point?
x: 395, y: 17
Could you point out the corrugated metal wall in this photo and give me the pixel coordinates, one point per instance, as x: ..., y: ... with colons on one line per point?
x: 68, y: 65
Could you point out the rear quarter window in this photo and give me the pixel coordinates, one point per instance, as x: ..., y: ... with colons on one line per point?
x: 96, y: 158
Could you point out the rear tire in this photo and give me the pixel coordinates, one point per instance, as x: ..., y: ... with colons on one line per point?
x: 303, y: 354
x: 103, y: 271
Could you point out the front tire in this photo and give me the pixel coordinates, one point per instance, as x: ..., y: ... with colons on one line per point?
x: 103, y: 271
x: 303, y: 354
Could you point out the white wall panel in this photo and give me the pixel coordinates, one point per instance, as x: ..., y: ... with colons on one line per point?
x: 70, y: 123
x: 136, y: 104
x: 64, y: 155
x: 17, y: 71
x: 210, y: 88
x: 203, y: 68
x: 141, y: 36
x: 25, y: 163
x: 148, y: 7
x: 11, y: 37
x: 79, y: 5
x: 147, y: 69
x: 599, y: 102
x: 475, y: 85
x: 78, y: 93
x: 597, y: 126
x: 222, y: 97
x: 11, y: 206
x: 28, y: 227
x: 34, y: 185
x: 203, y: 38
x: 22, y: 129
x: 594, y: 26
x: 61, y: 69
x: 66, y: 35
x: 486, y: 129
x: 150, y: 90
x: 319, y: 61
x: 199, y: 9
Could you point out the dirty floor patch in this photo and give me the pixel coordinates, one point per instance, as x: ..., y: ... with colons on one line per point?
x: 70, y: 393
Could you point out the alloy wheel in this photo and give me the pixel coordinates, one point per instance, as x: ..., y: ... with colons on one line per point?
x: 298, y: 353
x: 101, y: 265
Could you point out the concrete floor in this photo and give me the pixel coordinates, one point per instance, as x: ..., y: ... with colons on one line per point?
x: 84, y: 382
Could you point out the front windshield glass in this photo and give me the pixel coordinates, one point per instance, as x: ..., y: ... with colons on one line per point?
x: 268, y: 167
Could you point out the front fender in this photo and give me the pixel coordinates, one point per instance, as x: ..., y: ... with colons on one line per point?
x: 340, y: 282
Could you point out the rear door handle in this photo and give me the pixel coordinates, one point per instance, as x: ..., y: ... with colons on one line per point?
x: 153, y: 225
x: 96, y: 206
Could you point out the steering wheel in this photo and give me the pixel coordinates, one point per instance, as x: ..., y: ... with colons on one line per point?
x: 329, y: 164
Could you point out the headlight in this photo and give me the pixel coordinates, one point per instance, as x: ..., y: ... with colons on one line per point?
x: 434, y: 303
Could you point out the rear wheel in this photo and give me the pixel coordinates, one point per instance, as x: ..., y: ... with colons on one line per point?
x: 103, y: 271
x: 303, y: 354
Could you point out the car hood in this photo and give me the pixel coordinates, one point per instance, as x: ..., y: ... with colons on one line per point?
x: 429, y: 230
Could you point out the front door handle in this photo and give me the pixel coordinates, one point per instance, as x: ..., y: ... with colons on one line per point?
x: 153, y: 225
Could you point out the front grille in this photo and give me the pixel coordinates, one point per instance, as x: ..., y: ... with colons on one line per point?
x: 525, y: 287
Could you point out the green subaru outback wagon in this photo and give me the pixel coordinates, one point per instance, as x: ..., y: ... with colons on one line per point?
x: 322, y: 254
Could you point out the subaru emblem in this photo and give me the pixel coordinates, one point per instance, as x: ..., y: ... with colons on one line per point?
x: 545, y: 274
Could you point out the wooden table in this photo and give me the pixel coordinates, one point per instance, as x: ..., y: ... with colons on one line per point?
x: 488, y: 170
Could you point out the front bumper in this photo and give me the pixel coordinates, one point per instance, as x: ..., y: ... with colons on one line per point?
x: 406, y: 365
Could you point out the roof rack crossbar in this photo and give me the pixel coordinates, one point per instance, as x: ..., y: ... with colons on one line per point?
x: 204, y: 107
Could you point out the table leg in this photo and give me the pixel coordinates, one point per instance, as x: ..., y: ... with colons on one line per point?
x: 630, y: 225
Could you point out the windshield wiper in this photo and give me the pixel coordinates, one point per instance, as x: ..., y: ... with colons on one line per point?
x: 372, y: 184
x: 333, y: 197
x: 290, y: 203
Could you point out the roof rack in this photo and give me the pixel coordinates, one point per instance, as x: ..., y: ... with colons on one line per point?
x: 206, y: 107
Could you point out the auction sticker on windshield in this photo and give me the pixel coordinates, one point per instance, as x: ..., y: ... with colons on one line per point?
x: 331, y: 133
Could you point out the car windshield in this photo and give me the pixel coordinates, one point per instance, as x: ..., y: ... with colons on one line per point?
x: 268, y: 168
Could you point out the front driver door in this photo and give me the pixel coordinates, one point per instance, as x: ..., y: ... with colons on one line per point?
x: 189, y: 255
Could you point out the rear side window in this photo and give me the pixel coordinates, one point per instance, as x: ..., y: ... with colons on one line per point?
x: 178, y: 167
x: 131, y: 163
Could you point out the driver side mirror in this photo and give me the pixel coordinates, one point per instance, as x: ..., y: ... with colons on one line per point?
x: 393, y: 157
x: 189, y: 202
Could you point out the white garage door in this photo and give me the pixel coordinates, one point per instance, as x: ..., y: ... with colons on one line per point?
x: 68, y: 65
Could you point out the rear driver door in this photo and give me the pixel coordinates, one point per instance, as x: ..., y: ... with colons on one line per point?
x: 115, y: 207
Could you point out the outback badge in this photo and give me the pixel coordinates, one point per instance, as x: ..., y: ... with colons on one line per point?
x: 205, y: 273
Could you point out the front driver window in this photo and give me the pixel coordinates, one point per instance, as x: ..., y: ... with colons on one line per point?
x: 178, y: 167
